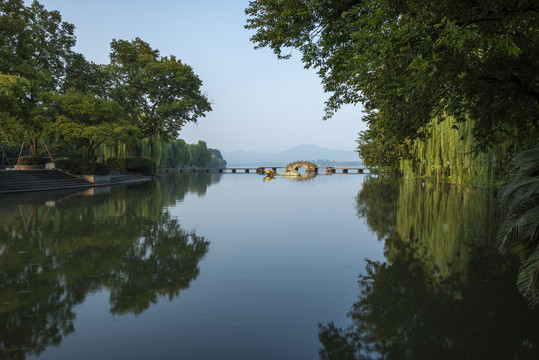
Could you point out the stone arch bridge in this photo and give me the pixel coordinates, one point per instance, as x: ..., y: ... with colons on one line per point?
x: 307, y: 165
x: 310, y: 169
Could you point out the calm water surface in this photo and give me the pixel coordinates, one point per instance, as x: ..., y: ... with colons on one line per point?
x: 230, y: 266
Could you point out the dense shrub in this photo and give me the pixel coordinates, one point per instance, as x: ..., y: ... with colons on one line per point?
x: 71, y: 166
x: 33, y: 160
x: 94, y: 168
x: 116, y: 163
x: 137, y: 165
x: 77, y: 167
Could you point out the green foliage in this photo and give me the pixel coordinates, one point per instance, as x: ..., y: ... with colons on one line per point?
x: 378, y: 151
x: 94, y: 168
x: 79, y: 167
x: 35, y: 46
x: 175, y: 153
x: 33, y: 160
x: 216, y: 159
x: 144, y: 166
x: 117, y: 163
x: 12, y: 90
x: 446, y: 154
x: 520, y: 230
x: 88, y: 121
x: 159, y: 94
x: 47, y: 90
x: 199, y: 154
x: 411, y: 61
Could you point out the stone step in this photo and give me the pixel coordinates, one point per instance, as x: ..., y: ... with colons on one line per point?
x: 30, y: 173
x: 40, y: 179
x: 49, y: 183
x: 42, y: 188
x: 36, y: 180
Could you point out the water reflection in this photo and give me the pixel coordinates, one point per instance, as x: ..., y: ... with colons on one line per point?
x: 377, y: 203
x: 55, y: 250
x: 445, y: 291
x: 302, y: 177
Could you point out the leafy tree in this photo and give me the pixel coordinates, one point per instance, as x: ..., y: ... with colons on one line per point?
x: 175, y: 153
x: 179, y: 154
x: 199, y: 154
x: 85, y: 76
x: 411, y: 61
x: 378, y: 151
x: 47, y: 88
x: 89, y: 121
x: 34, y: 45
x: 216, y: 160
x: 159, y: 94
x: 12, y: 90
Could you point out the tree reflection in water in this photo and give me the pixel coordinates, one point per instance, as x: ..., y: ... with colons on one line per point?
x: 445, y: 295
x: 53, y: 254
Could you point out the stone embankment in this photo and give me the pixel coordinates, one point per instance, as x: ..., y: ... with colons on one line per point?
x: 16, y: 181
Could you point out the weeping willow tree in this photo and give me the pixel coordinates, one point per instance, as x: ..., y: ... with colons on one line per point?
x: 447, y: 154
x: 175, y: 153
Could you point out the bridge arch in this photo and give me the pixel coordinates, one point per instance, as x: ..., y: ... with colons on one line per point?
x: 307, y: 165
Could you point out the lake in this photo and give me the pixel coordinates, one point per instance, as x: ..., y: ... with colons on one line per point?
x: 235, y: 266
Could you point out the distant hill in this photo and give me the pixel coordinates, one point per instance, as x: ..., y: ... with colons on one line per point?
x: 300, y: 152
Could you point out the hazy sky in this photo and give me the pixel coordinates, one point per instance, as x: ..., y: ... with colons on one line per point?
x: 259, y: 103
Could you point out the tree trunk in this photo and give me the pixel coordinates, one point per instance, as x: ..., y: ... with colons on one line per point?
x: 89, y: 153
x: 33, y: 146
x: 128, y: 150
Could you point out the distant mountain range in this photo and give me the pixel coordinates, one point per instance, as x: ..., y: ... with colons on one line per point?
x: 300, y: 152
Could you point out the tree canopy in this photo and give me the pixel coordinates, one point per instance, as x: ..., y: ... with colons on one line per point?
x: 89, y: 121
x: 408, y: 62
x: 159, y: 94
x: 35, y: 46
x: 47, y: 89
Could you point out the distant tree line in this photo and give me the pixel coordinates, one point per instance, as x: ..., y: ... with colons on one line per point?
x: 175, y: 153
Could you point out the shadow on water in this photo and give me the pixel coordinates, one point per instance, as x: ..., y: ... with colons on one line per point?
x: 60, y: 247
x: 444, y: 291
